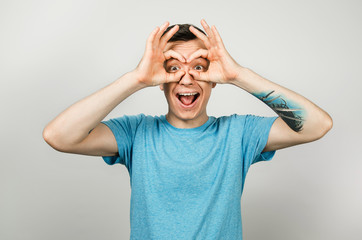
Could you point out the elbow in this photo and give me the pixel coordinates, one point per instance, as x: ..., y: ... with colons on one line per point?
x: 59, y: 140
x: 329, y: 123
x: 52, y: 138
x: 48, y: 136
x: 326, y: 125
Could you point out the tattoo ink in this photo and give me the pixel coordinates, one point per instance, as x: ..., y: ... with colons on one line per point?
x: 291, y: 113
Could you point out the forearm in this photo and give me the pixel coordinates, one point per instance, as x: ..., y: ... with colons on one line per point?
x: 74, y: 124
x: 300, y: 114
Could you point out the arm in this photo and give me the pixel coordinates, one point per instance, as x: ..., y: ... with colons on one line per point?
x: 78, y: 128
x: 300, y: 120
x: 71, y: 131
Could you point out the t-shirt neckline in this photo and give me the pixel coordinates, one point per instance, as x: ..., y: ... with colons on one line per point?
x: 187, y: 130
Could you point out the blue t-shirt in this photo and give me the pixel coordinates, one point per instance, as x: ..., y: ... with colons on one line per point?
x: 187, y: 183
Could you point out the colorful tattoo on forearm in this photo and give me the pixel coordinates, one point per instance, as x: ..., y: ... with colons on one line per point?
x: 291, y: 113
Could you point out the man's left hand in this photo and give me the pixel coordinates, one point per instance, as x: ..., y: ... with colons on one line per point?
x: 222, y: 68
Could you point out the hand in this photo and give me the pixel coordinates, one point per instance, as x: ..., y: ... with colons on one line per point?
x: 150, y: 71
x: 222, y: 67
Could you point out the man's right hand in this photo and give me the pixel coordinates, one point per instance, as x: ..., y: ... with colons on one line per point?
x: 150, y: 71
x: 70, y: 130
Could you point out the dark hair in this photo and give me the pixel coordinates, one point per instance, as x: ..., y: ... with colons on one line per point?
x: 183, y: 33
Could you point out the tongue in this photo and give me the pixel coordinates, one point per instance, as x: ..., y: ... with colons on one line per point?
x: 187, y: 100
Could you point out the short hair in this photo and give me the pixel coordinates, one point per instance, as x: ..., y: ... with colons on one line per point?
x: 183, y: 33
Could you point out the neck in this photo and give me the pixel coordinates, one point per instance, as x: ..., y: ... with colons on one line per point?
x: 186, y: 123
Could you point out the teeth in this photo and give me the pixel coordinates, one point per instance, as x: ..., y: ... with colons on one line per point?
x: 187, y: 94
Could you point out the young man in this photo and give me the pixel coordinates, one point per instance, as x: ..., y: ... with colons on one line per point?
x: 187, y: 169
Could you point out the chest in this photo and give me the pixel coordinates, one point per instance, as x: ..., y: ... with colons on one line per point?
x: 186, y: 165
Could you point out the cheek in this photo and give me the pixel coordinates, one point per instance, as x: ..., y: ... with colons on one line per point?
x: 167, y: 89
x: 205, y: 86
x: 207, y: 93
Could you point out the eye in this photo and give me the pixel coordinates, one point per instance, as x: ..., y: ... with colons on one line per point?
x: 173, y: 68
x: 199, y: 68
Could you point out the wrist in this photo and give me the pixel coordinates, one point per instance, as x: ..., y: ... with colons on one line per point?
x: 138, y: 79
x: 131, y: 81
x: 240, y: 76
x: 249, y: 80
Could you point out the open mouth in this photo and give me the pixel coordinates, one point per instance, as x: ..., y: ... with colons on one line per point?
x: 187, y: 99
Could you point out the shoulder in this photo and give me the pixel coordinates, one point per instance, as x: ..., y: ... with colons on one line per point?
x: 232, y: 124
x: 133, y: 121
x: 129, y: 119
x: 230, y: 119
x: 246, y: 122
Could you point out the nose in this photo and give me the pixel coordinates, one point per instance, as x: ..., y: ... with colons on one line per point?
x: 186, y: 79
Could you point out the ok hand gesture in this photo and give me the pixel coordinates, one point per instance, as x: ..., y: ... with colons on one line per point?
x: 150, y: 71
x: 222, y: 68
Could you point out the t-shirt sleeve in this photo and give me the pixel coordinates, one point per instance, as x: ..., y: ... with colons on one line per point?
x: 255, y: 138
x: 124, y: 130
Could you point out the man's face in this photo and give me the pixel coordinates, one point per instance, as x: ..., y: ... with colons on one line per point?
x: 187, y: 99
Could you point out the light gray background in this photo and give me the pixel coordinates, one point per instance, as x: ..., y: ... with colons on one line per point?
x: 53, y: 53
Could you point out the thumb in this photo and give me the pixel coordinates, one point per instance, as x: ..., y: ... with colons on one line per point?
x: 175, y: 77
x: 200, y: 76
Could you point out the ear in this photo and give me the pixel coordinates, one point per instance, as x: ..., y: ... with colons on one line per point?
x: 161, y: 87
x: 213, y: 85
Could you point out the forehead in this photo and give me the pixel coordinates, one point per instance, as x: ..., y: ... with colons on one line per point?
x: 185, y: 48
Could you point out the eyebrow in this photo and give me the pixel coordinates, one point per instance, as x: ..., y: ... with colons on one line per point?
x: 171, y: 59
x: 175, y: 59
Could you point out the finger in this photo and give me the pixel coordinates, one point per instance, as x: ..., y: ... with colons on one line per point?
x: 199, y: 76
x: 208, y: 31
x: 175, y: 77
x: 203, y: 53
x: 160, y: 32
x: 151, y: 38
x: 201, y: 36
x: 168, y: 36
x: 217, y: 36
x: 172, y: 54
